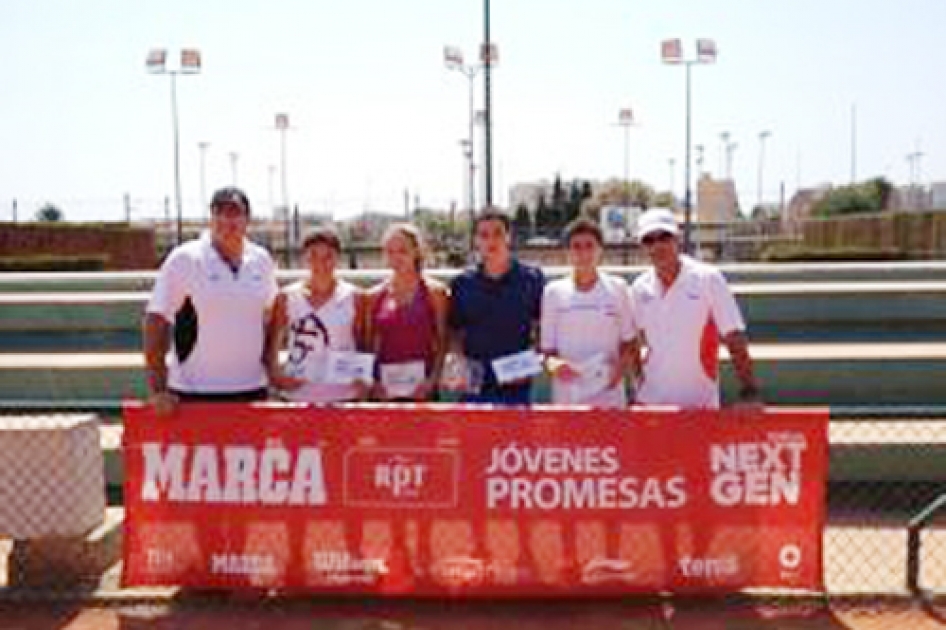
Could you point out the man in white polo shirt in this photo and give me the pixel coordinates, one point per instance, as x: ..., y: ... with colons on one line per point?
x: 213, y: 295
x: 682, y: 309
x: 586, y: 326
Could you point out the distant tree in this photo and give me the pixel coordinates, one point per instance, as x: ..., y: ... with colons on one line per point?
x: 49, y: 213
x: 843, y: 200
x: 557, y: 210
x: 640, y: 194
x: 588, y: 207
x: 586, y: 191
x: 609, y: 193
x: 764, y: 213
x: 558, y: 193
x: 880, y: 189
x: 544, y: 217
x: 573, y: 205
x: 522, y: 223
x: 664, y: 200
x: 870, y: 196
x: 438, y: 228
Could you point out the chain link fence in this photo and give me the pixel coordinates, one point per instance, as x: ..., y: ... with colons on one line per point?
x: 61, y: 510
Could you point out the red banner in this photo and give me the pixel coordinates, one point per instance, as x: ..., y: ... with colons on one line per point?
x: 449, y: 499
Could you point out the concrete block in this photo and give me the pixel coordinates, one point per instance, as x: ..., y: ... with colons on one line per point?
x: 65, y: 562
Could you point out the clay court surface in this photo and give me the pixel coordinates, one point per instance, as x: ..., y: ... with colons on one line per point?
x: 859, y: 560
x: 209, y: 613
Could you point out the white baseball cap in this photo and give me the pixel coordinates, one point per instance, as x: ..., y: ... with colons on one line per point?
x: 657, y: 220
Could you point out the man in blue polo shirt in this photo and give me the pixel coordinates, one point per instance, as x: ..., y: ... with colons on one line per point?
x: 495, y: 308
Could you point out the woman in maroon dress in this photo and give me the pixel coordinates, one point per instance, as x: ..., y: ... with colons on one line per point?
x: 407, y: 320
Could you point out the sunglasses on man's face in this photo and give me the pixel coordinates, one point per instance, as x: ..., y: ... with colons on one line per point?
x: 657, y: 237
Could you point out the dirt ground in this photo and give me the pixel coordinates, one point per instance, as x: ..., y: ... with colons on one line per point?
x: 209, y: 613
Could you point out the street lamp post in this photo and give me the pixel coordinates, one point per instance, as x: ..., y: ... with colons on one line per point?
x: 470, y: 177
x: 672, y: 53
x: 723, y: 143
x: 626, y: 120
x: 453, y: 60
x: 913, y: 159
x: 156, y: 63
x: 282, y: 125
x: 672, y: 162
x: 487, y: 57
x: 203, y: 174
x: 763, y: 136
x: 730, y: 149
x: 271, y: 170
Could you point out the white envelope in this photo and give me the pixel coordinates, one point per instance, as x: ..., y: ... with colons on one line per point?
x: 520, y: 365
x: 400, y: 380
x: 347, y: 367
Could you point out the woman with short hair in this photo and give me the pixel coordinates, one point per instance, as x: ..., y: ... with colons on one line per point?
x: 312, y: 318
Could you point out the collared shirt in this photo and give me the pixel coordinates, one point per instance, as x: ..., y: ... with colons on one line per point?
x: 229, y: 311
x: 579, y: 325
x: 681, y: 326
x: 496, y: 314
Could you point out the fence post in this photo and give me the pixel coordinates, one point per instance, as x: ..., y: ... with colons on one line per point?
x: 914, y: 529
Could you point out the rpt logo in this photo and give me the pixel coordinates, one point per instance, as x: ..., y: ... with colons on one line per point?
x: 408, y: 477
x: 402, y: 475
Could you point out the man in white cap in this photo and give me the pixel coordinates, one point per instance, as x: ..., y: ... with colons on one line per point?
x: 682, y: 309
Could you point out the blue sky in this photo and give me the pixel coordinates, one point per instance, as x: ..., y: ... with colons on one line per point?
x: 374, y: 111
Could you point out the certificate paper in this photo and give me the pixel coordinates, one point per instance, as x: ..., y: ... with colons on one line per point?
x: 347, y: 367
x: 514, y: 367
x: 400, y: 380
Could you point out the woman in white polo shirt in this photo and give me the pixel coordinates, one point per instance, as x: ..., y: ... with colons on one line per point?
x: 213, y: 295
x: 683, y: 309
x: 586, y: 325
x: 312, y: 318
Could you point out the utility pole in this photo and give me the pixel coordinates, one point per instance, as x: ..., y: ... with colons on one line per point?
x: 730, y: 149
x: 486, y: 55
x: 763, y: 136
x: 853, y: 143
x: 723, y: 143
x: 913, y: 159
x: 205, y: 205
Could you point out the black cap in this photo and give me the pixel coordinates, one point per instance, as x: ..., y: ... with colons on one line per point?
x: 231, y: 194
